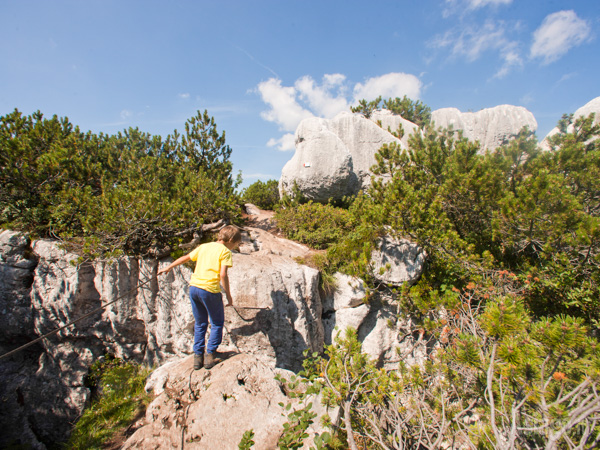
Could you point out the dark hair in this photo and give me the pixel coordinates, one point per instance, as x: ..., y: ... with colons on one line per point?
x: 230, y: 233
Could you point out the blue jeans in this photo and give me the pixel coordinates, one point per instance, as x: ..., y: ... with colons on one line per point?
x: 207, y: 305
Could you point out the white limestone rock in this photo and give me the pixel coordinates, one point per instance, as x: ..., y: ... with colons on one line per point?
x: 593, y: 106
x: 277, y: 309
x: 349, y: 292
x: 334, y: 324
x: 322, y: 166
x: 397, y: 261
x: 333, y: 157
x: 213, y: 409
x: 344, y: 307
x: 388, y: 339
x: 390, y: 122
x: 492, y: 127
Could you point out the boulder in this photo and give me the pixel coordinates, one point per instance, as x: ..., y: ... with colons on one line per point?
x: 337, y: 322
x: 213, y: 408
x: 333, y: 157
x: 397, y: 261
x: 321, y: 166
x: 492, y: 127
x: 590, y: 107
x: 277, y: 309
x: 349, y: 292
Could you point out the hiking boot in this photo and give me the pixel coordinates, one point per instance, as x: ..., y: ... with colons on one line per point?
x: 210, y: 359
x: 198, y: 361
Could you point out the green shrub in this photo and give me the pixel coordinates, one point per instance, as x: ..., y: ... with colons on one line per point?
x: 264, y: 195
x: 314, y: 224
x: 130, y: 193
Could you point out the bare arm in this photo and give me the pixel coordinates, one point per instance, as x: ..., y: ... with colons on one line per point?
x: 174, y: 264
x: 225, y: 284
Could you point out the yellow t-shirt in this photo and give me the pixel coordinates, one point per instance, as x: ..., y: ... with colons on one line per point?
x: 209, y: 259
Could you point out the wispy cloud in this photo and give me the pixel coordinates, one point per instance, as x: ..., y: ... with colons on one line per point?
x: 257, y: 61
x: 126, y: 114
x: 463, y: 7
x: 558, y: 33
x: 259, y: 176
x: 184, y: 96
x: 471, y: 42
x: 289, y: 105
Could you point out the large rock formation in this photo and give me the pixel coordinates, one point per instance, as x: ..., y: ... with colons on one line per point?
x: 593, y: 106
x: 279, y: 312
x: 492, y: 127
x: 334, y: 157
x: 391, y: 122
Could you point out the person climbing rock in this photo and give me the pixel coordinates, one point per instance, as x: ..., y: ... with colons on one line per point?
x: 212, y: 262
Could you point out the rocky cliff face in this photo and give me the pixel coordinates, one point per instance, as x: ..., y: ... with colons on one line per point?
x: 280, y: 311
x: 334, y: 157
x: 492, y: 127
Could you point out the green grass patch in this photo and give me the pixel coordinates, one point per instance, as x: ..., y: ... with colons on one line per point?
x: 120, y: 399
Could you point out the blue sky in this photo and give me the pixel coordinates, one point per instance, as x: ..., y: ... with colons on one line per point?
x: 259, y: 67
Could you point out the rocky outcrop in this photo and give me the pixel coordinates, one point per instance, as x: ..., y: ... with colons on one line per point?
x: 16, y: 277
x: 391, y: 122
x: 590, y: 107
x: 279, y: 312
x: 333, y: 157
x: 492, y: 127
x: 397, y: 261
x: 345, y: 306
x: 213, y: 409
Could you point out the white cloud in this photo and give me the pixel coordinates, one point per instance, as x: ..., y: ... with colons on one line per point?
x: 472, y: 41
x: 284, y: 143
x: 289, y: 105
x: 285, y: 110
x: 390, y: 85
x: 320, y: 98
x: 558, y: 33
x: 184, y: 96
x: 126, y: 114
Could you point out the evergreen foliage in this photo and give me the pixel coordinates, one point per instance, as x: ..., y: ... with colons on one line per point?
x: 264, y: 195
x: 128, y: 193
x: 415, y: 111
x: 508, y: 308
x: 314, y: 224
